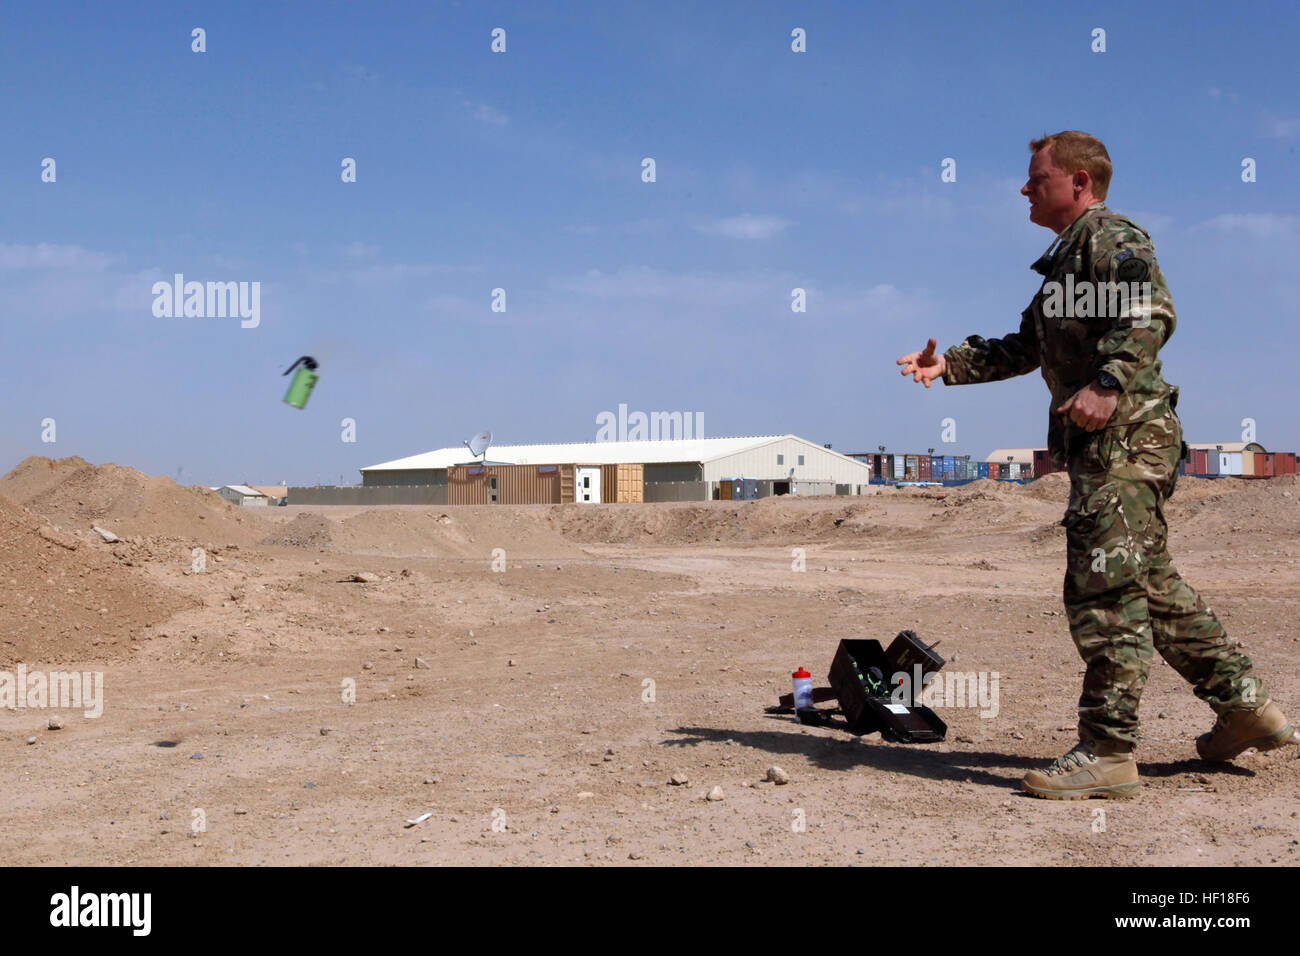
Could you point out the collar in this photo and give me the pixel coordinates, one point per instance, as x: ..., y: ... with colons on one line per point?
x: 1065, y: 239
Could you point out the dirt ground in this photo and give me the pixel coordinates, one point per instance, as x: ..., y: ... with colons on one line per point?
x: 513, y: 706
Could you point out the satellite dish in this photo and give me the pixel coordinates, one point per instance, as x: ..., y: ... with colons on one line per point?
x: 478, y: 445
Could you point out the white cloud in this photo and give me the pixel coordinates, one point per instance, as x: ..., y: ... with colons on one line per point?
x: 920, y: 197
x: 641, y: 293
x: 455, y: 303
x: 1257, y: 225
x: 644, y: 282
x: 637, y: 227
x: 745, y: 226
x: 401, y: 271
x: 483, y: 112
x: 1156, y: 223
x: 487, y: 114
x: 51, y: 256
x: 1283, y: 127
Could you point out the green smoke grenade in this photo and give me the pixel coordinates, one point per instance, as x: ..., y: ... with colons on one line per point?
x: 304, y: 380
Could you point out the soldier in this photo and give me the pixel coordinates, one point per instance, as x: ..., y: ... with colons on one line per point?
x: 1094, y: 330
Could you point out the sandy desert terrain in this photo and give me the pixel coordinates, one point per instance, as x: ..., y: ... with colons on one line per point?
x: 512, y: 706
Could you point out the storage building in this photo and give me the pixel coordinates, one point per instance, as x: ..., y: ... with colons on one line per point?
x: 678, y: 469
x: 243, y: 495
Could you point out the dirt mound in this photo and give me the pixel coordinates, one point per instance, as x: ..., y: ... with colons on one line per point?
x: 312, y: 531
x: 984, y: 486
x: 73, y: 493
x: 741, y: 522
x: 1191, y: 489
x: 65, y: 596
x: 38, y: 474
x: 1230, y: 505
x: 456, y: 533
x: 1053, y: 487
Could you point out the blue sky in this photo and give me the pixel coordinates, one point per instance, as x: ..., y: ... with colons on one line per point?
x: 522, y: 171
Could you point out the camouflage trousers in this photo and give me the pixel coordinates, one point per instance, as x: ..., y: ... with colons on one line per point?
x: 1122, y: 594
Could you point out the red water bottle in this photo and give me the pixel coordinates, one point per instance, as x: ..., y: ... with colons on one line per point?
x: 803, y: 694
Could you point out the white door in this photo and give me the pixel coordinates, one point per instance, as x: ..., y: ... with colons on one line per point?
x: 588, y: 485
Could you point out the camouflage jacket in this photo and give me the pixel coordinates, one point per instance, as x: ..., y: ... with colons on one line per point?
x: 1077, y: 326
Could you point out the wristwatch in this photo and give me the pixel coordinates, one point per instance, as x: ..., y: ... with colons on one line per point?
x: 1106, y: 380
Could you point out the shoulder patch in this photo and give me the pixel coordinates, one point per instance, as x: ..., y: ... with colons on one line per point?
x: 1132, y: 269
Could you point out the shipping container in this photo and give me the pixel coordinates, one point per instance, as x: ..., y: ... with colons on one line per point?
x: 1230, y: 463
x: 995, y: 469
x: 900, y: 467
x: 982, y: 469
x: 1247, y: 464
x: 1211, y: 462
x: 1200, y: 461
x: 1288, y: 463
x: 623, y: 482
x: 1269, y: 461
x: 924, y: 465
x: 910, y: 467
x: 1013, y: 470
x: 503, y: 484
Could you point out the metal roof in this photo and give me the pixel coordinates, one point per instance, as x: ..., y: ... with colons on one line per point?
x: 245, y: 491
x: 1020, y: 455
x: 596, y: 453
x: 1227, y: 446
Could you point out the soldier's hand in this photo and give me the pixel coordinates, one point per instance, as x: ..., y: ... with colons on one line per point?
x: 924, y: 366
x: 1091, y: 407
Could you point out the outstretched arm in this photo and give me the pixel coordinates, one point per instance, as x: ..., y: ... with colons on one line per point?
x: 992, y: 360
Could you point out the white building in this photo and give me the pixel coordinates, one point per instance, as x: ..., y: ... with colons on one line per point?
x: 243, y: 495
x: 792, y: 465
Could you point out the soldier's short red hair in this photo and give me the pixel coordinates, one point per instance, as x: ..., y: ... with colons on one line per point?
x: 1072, y: 151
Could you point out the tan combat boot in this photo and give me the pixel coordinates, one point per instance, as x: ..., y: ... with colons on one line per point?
x: 1264, y: 728
x: 1084, y: 773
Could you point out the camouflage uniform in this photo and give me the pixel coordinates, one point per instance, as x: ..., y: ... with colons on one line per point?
x: 1122, y: 594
